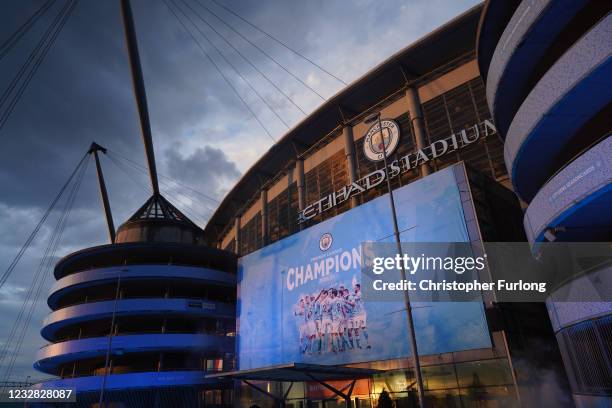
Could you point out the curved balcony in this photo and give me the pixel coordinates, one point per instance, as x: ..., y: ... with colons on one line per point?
x: 131, y: 381
x: 145, y: 253
x: 575, y: 204
x: 494, y: 18
x: 531, y: 31
x: 74, y: 315
x: 572, y: 92
x: 50, y: 357
x: 80, y: 280
x: 591, y: 286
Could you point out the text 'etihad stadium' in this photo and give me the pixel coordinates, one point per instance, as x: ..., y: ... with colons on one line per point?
x: 409, y: 162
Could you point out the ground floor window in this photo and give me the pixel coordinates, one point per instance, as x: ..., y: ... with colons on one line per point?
x: 482, y: 383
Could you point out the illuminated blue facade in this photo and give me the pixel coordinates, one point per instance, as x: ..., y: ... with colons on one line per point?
x: 548, y: 71
x: 169, y: 305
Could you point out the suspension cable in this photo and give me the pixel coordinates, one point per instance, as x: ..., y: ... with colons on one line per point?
x: 127, y: 159
x: 142, y: 170
x: 33, y: 295
x: 57, y: 26
x: 191, y: 212
x: 227, y: 61
x: 47, y: 266
x: 267, y: 55
x: 35, y: 277
x: 32, y: 55
x: 250, y: 62
x: 23, y: 29
x: 33, y: 234
x: 126, y: 170
x: 47, y: 258
x: 219, y: 70
x: 277, y: 40
x: 110, y: 340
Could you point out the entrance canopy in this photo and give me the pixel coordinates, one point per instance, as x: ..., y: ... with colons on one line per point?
x: 298, y: 372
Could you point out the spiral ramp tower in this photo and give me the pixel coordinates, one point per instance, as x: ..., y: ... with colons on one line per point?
x: 144, y: 318
x: 548, y: 71
x: 141, y: 321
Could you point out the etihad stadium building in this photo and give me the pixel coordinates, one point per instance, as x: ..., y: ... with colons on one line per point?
x: 297, y: 216
x: 169, y: 314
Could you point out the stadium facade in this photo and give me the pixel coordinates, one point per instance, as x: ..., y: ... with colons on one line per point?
x: 548, y: 72
x: 303, y: 208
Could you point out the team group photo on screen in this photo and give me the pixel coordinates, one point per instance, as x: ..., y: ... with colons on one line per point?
x: 332, y: 321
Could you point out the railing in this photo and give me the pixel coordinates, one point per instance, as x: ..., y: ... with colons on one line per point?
x: 125, y: 264
x: 229, y: 302
x: 136, y: 333
x: 100, y: 371
x: 15, y: 384
x: 577, y: 155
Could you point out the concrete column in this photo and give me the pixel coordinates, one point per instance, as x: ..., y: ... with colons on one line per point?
x: 418, y: 124
x: 264, y: 216
x: 301, y: 184
x: 351, y: 160
x: 237, y: 231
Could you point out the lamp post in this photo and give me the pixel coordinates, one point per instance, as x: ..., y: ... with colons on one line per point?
x: 375, y: 117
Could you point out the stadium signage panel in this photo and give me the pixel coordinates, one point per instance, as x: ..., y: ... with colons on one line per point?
x: 409, y: 162
x: 300, y: 298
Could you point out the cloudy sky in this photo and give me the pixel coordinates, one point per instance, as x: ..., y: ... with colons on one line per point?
x: 204, y: 136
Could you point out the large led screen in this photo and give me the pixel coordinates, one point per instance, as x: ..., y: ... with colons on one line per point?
x: 299, y: 299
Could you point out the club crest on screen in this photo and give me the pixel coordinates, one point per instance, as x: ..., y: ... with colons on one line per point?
x: 325, y: 242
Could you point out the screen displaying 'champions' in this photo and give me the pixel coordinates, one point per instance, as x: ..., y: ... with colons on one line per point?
x: 300, y: 298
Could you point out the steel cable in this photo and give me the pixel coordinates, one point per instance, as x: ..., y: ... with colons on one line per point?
x: 251, y: 63
x: 33, y: 234
x: 219, y: 70
x: 127, y: 159
x: 39, y: 60
x: 126, y: 170
x: 23, y: 29
x: 277, y: 40
x: 17, y: 78
x: 35, y: 278
x: 40, y: 276
x: 228, y: 62
x: 270, y: 57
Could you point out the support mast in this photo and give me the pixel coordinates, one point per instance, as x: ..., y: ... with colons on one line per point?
x: 94, y: 149
x: 139, y: 91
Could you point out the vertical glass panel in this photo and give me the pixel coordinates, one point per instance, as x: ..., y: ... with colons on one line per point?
x: 488, y: 397
x: 397, y: 381
x: 296, y: 392
x: 443, y: 399
x: 483, y: 373
x: 439, y: 377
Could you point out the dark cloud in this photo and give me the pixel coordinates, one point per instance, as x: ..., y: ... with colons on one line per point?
x: 207, y: 169
x: 208, y: 173
x: 203, y: 135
